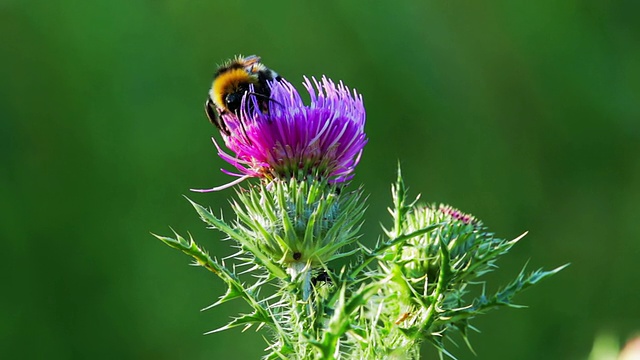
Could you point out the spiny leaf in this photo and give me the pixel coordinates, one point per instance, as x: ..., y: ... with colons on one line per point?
x: 209, y: 218
x: 244, y: 319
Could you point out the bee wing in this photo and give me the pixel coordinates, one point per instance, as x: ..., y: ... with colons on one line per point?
x: 250, y: 60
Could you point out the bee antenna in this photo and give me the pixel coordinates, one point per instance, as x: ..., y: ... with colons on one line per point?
x: 265, y: 97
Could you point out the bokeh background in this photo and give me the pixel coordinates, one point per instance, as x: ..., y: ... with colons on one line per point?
x: 524, y: 113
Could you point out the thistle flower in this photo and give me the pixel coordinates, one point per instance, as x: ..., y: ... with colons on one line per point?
x: 322, y: 141
x: 413, y: 286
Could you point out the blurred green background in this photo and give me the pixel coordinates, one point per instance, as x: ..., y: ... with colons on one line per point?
x: 522, y: 113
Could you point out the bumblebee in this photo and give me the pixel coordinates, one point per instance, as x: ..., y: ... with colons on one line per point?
x: 231, y: 82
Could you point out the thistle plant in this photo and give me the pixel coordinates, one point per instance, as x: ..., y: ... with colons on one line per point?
x: 422, y: 281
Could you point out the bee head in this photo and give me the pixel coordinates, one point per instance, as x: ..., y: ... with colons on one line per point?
x: 233, y: 100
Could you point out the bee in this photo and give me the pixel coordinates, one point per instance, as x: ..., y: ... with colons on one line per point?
x: 231, y: 82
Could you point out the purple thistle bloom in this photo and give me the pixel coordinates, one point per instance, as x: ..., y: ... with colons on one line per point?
x: 291, y: 140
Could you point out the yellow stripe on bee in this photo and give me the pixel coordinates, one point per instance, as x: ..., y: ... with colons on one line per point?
x: 227, y: 83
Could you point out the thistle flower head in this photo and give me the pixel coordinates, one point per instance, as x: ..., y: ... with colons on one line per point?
x: 323, y: 140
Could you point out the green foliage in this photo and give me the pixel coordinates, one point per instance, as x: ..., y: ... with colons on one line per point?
x: 414, y: 286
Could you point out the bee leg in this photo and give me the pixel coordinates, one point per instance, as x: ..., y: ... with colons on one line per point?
x: 214, y: 117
